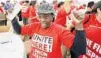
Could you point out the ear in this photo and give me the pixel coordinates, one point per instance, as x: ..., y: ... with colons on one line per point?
x: 98, y: 10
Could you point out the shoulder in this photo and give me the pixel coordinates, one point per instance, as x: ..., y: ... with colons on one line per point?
x: 30, y: 26
x: 35, y: 24
x: 95, y: 32
x: 58, y: 27
x: 31, y: 7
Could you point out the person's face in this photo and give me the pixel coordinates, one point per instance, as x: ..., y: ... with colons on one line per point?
x: 99, y: 14
x: 45, y: 20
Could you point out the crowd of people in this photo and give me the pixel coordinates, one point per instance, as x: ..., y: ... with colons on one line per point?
x: 53, y: 30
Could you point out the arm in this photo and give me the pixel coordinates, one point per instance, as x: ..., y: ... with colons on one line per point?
x: 76, y: 44
x: 77, y: 15
x: 67, y: 38
x: 12, y: 17
x: 16, y: 26
x: 79, y: 45
x: 24, y: 30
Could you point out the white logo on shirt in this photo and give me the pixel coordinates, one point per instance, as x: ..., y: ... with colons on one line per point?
x: 42, y: 45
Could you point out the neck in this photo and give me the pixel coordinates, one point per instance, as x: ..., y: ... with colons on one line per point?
x: 47, y: 26
x: 3, y: 29
x: 88, y: 9
x: 98, y: 18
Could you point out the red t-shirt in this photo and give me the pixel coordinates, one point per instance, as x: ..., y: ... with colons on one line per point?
x: 93, y: 35
x: 55, y: 6
x: 32, y: 13
x: 86, y: 20
x: 92, y: 21
x: 1, y: 10
x: 25, y: 12
x: 46, y: 43
x: 61, y: 17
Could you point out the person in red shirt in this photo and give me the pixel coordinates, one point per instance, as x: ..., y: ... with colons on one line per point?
x: 25, y: 12
x: 76, y: 17
x: 90, y: 7
x: 2, y: 7
x: 32, y: 13
x: 90, y: 19
x: 55, y: 5
x: 93, y: 33
x: 88, y: 14
x: 3, y: 19
x: 47, y: 36
x: 93, y: 21
x: 61, y: 20
x: 61, y: 15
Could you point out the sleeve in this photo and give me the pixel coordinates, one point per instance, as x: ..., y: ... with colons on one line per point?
x: 16, y: 26
x: 86, y: 20
x: 24, y: 30
x: 67, y: 38
x: 27, y: 29
x: 32, y: 12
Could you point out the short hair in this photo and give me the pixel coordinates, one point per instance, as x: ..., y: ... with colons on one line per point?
x: 90, y: 4
x: 59, y: 4
x: 97, y: 5
x: 33, y: 3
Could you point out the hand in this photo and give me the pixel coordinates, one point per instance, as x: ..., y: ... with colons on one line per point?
x: 69, y: 23
x: 77, y: 17
x: 79, y: 14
